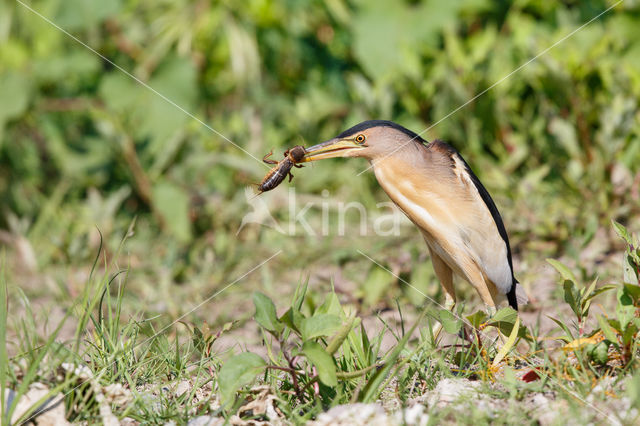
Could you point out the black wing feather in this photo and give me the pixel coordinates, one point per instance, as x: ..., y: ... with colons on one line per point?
x: 495, y: 214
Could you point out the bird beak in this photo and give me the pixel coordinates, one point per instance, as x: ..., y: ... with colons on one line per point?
x: 331, y: 149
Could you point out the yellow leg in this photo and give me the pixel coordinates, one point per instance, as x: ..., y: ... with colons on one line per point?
x: 445, y: 276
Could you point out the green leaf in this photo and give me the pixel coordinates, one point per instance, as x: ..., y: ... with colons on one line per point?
x: 367, y: 353
x: 629, y: 333
x: 319, y: 325
x: 572, y: 297
x: 562, y: 269
x: 322, y: 361
x: 511, y: 341
x: 15, y: 91
x: 79, y: 15
x: 422, y: 281
x: 633, y: 291
x: 4, y: 356
x: 299, y: 295
x: 566, y: 135
x: 176, y: 79
x: 172, y: 203
x: 266, y: 313
x: 506, y: 315
x: 632, y: 385
x: 450, y: 322
x: 504, y: 320
x: 377, y: 282
x: 120, y: 93
x: 630, y: 271
x: 331, y: 306
x: 387, y: 33
x: 237, y: 372
x: 625, y: 313
x: 589, y: 289
x: 600, y: 290
x: 607, y: 330
x: 624, y: 297
x: 477, y: 318
x: 293, y: 319
x: 600, y: 353
x: 569, y: 337
x: 586, y: 301
x: 622, y: 232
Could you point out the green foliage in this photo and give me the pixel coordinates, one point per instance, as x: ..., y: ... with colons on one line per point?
x: 264, y: 76
x: 450, y: 322
x: 324, y: 346
x: 622, y: 330
x: 4, y: 356
x: 504, y: 320
x: 105, y: 349
x: 631, y: 262
x: 319, y: 354
x: 321, y: 325
x: 266, y: 313
x: 578, y: 298
x: 309, y: 331
x: 322, y: 361
x: 619, y: 329
x: 83, y: 145
x: 238, y: 371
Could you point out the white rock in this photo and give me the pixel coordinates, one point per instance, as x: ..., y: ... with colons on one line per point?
x: 448, y: 391
x: 117, y: 394
x: 206, y: 421
x: 182, y: 388
x: 50, y: 413
x: 355, y: 415
x: 412, y: 416
x: 81, y: 371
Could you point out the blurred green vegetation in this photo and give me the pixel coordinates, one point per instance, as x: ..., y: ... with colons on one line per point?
x: 89, y: 155
x: 84, y: 146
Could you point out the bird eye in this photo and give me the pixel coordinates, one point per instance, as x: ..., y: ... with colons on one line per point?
x: 360, y: 138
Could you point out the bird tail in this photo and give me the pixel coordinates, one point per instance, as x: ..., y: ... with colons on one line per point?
x: 517, y: 296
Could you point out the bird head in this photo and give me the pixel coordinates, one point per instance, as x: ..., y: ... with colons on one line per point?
x: 369, y: 139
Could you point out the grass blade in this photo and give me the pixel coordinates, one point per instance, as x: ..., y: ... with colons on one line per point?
x: 510, y: 343
x: 373, y: 388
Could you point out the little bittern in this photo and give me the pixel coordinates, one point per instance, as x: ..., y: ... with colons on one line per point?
x: 434, y: 186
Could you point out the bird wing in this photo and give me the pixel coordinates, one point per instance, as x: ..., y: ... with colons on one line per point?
x: 478, y: 219
x: 488, y: 242
x: 438, y: 191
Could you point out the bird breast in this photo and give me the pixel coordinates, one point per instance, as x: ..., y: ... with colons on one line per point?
x: 452, y: 216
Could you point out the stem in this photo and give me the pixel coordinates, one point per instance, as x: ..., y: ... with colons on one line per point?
x: 358, y: 373
x: 277, y: 367
x: 292, y: 370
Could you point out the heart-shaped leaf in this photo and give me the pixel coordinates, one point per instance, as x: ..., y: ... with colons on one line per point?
x: 322, y: 361
x: 319, y: 326
x: 450, y: 322
x: 237, y: 372
x: 266, y: 313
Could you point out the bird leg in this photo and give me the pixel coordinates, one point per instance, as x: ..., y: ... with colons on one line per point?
x: 445, y: 276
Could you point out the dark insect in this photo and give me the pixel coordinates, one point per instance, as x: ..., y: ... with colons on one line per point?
x: 277, y: 174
